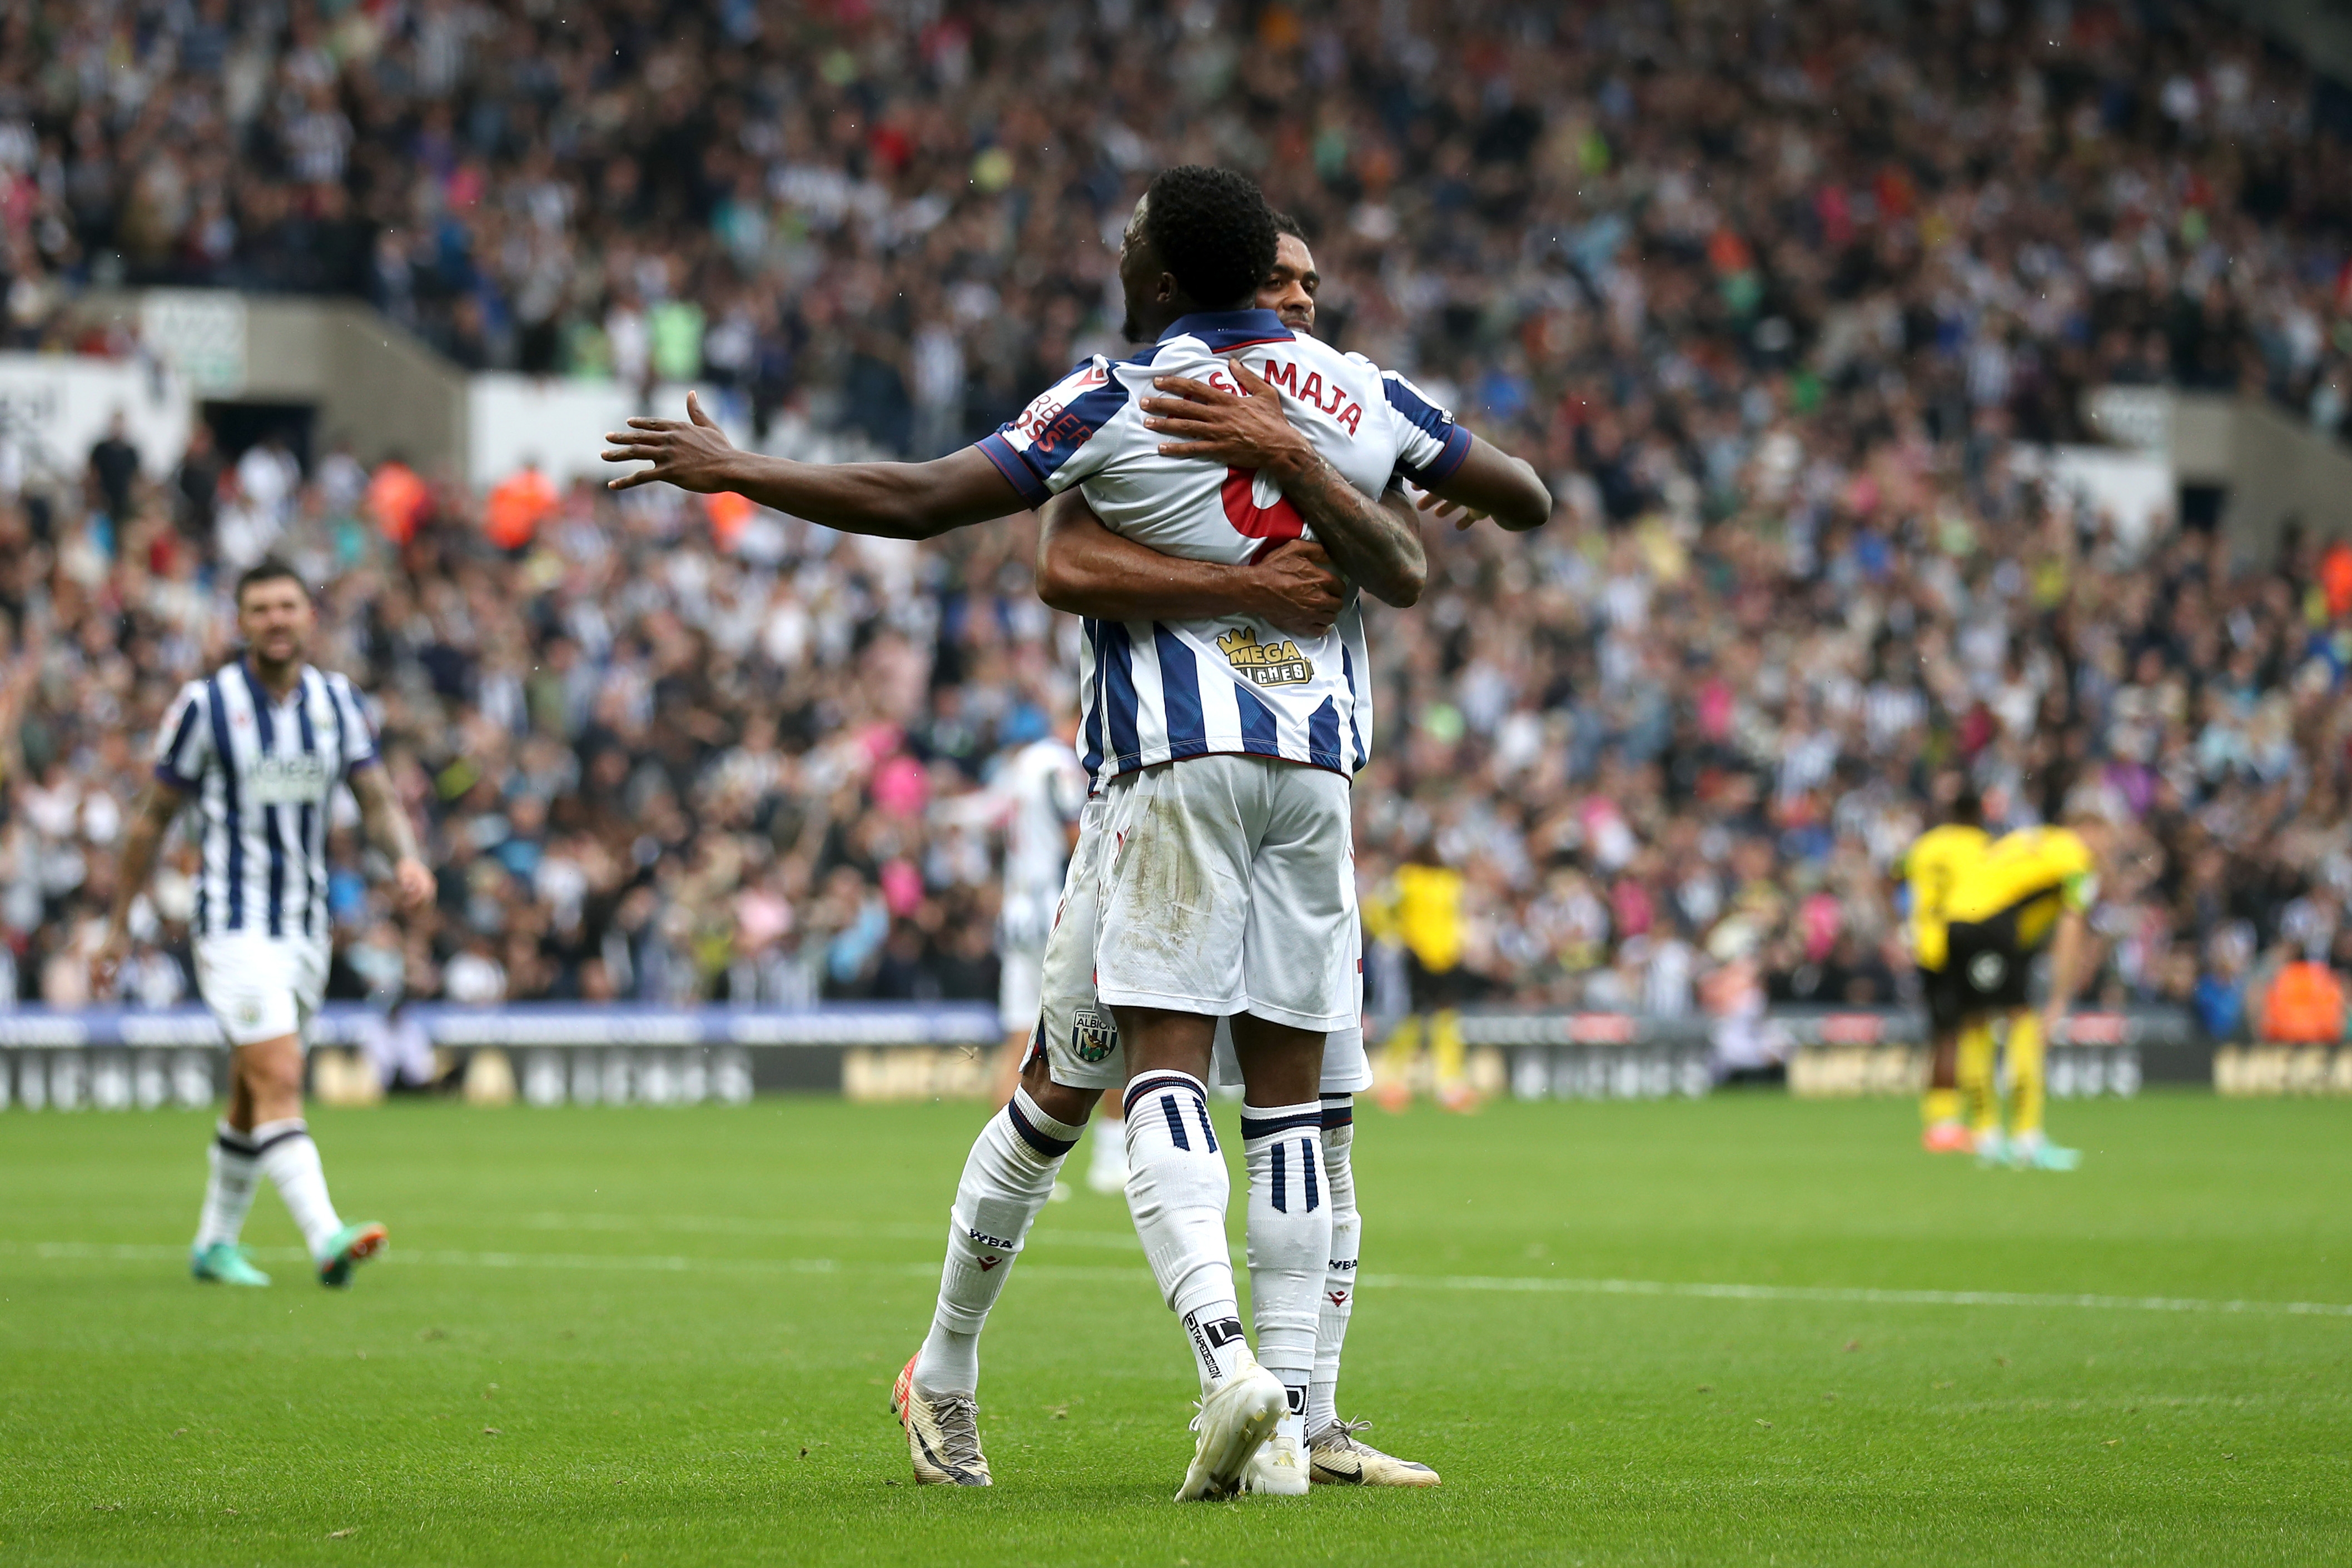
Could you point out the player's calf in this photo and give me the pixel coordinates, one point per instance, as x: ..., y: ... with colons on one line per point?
x: 1289, y: 1245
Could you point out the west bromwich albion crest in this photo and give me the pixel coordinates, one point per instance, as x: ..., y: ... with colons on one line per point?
x: 1092, y: 1033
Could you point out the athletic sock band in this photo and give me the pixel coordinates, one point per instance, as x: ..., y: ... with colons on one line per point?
x: 267, y: 1137
x: 1160, y: 1078
x: 1050, y: 1138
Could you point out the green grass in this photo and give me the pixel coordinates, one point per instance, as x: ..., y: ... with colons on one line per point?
x: 734, y: 1410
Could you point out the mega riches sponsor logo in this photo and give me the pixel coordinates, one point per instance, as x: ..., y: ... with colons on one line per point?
x: 1277, y: 663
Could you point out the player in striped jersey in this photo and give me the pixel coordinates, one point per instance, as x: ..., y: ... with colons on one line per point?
x: 258, y: 749
x: 1080, y: 571
x: 1232, y: 710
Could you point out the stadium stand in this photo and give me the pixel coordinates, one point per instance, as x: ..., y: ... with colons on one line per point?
x: 1781, y: 355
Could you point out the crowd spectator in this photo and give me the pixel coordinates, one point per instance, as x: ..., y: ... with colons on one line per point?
x: 1770, y: 295
x: 887, y: 216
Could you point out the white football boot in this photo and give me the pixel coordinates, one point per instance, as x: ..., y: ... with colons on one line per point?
x: 942, y: 1433
x: 1235, y: 1418
x: 1336, y: 1457
x: 1279, y: 1469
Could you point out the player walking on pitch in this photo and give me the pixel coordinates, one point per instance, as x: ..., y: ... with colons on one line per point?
x: 258, y: 749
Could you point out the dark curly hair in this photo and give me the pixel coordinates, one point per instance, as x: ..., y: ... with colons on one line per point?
x: 1213, y: 232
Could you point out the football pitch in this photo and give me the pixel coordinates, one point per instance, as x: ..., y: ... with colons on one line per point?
x: 1742, y: 1330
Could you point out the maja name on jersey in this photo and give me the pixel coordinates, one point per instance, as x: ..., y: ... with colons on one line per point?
x: 1283, y: 376
x: 1151, y: 692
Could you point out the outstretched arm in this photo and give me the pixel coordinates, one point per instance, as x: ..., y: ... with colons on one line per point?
x: 1373, y: 547
x: 892, y: 500
x: 1086, y: 569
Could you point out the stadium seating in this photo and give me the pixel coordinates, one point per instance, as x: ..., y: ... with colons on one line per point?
x: 1778, y: 360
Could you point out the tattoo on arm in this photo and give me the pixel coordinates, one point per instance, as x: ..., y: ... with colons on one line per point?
x: 381, y: 817
x: 157, y: 808
x: 1371, y: 545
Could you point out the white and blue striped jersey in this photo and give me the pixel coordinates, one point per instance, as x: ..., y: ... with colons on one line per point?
x: 261, y: 775
x: 1156, y: 691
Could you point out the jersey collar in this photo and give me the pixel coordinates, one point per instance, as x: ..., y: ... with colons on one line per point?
x: 261, y: 697
x: 1225, y: 330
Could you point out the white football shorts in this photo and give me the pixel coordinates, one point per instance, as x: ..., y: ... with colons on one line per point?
x: 1075, y: 1029
x: 260, y: 987
x: 1229, y: 886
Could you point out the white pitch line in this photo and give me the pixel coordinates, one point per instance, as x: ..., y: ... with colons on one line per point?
x: 1850, y: 1295
x: 662, y: 1263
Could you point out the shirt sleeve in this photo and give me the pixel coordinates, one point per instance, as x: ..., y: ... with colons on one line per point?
x: 1049, y: 446
x: 1430, y: 444
x: 184, y: 740
x: 352, y: 723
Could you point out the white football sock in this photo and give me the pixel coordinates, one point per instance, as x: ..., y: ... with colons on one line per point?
x: 228, y: 1192
x: 1176, y: 1190
x: 1289, y: 1242
x: 1339, y: 1272
x: 1006, y: 1180
x: 289, y: 1157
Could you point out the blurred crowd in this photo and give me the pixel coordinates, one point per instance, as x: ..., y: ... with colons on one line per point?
x: 1771, y: 296
x: 890, y: 213
x: 1677, y: 761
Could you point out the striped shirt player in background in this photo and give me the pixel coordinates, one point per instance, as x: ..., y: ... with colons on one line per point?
x: 258, y: 748
x: 1014, y: 1161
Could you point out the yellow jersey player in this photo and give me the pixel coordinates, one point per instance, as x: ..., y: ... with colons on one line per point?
x: 1421, y: 910
x: 1929, y: 869
x: 2031, y: 890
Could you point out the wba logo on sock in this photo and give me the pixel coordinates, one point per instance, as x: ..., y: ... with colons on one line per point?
x: 1208, y: 1338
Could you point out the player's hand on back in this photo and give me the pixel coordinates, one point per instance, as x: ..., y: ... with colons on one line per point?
x: 692, y: 453
x: 1243, y: 430
x: 1299, y: 593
